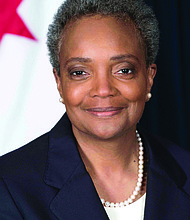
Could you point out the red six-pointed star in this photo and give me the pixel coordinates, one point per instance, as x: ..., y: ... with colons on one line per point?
x: 10, y: 22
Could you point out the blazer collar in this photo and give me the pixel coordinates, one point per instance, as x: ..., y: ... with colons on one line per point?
x: 77, y: 197
x: 63, y: 156
x: 166, y: 198
x: 159, y: 156
x: 62, y: 147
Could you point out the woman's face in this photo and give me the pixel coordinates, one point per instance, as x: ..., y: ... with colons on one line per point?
x: 103, y: 77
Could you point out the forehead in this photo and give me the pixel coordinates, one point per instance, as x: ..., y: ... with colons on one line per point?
x: 100, y: 35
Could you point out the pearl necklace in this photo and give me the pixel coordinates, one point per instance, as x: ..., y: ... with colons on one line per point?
x: 139, y: 183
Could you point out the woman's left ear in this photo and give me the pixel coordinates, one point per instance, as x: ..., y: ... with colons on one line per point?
x: 151, y: 72
x: 58, y: 81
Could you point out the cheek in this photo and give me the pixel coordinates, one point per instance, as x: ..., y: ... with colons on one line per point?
x: 135, y: 91
x: 73, y: 94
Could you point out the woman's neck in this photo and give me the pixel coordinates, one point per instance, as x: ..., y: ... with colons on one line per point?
x: 105, y: 156
x: 112, y: 164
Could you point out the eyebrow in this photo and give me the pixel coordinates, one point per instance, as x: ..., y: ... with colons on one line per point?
x: 123, y: 57
x: 114, y: 58
x: 78, y: 59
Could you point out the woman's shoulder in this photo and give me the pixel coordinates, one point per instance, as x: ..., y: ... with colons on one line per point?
x: 33, y: 156
x: 181, y: 154
x: 171, y: 157
x: 162, y: 142
x: 20, y: 160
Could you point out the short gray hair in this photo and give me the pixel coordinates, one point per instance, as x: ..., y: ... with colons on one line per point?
x: 137, y: 11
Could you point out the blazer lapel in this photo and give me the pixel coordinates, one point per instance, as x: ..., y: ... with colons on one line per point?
x: 77, y: 197
x: 165, y: 197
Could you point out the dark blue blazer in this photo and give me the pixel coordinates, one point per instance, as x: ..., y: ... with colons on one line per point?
x: 46, y: 179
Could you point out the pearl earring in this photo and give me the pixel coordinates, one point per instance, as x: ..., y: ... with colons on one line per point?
x: 61, y: 100
x: 149, y: 95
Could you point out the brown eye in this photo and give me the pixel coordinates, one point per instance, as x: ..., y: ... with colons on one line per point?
x: 78, y: 75
x: 126, y: 71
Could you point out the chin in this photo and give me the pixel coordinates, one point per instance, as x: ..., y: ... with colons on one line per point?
x: 106, y: 133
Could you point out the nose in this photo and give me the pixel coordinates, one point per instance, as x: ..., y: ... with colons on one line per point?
x: 103, y: 86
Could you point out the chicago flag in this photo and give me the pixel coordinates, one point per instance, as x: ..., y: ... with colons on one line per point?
x: 29, y: 98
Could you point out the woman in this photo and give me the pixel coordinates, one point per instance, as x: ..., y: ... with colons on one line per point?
x: 97, y: 163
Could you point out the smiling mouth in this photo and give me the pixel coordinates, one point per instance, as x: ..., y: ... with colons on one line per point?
x: 105, y: 112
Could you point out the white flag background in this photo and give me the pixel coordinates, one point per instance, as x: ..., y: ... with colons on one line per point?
x: 29, y: 101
